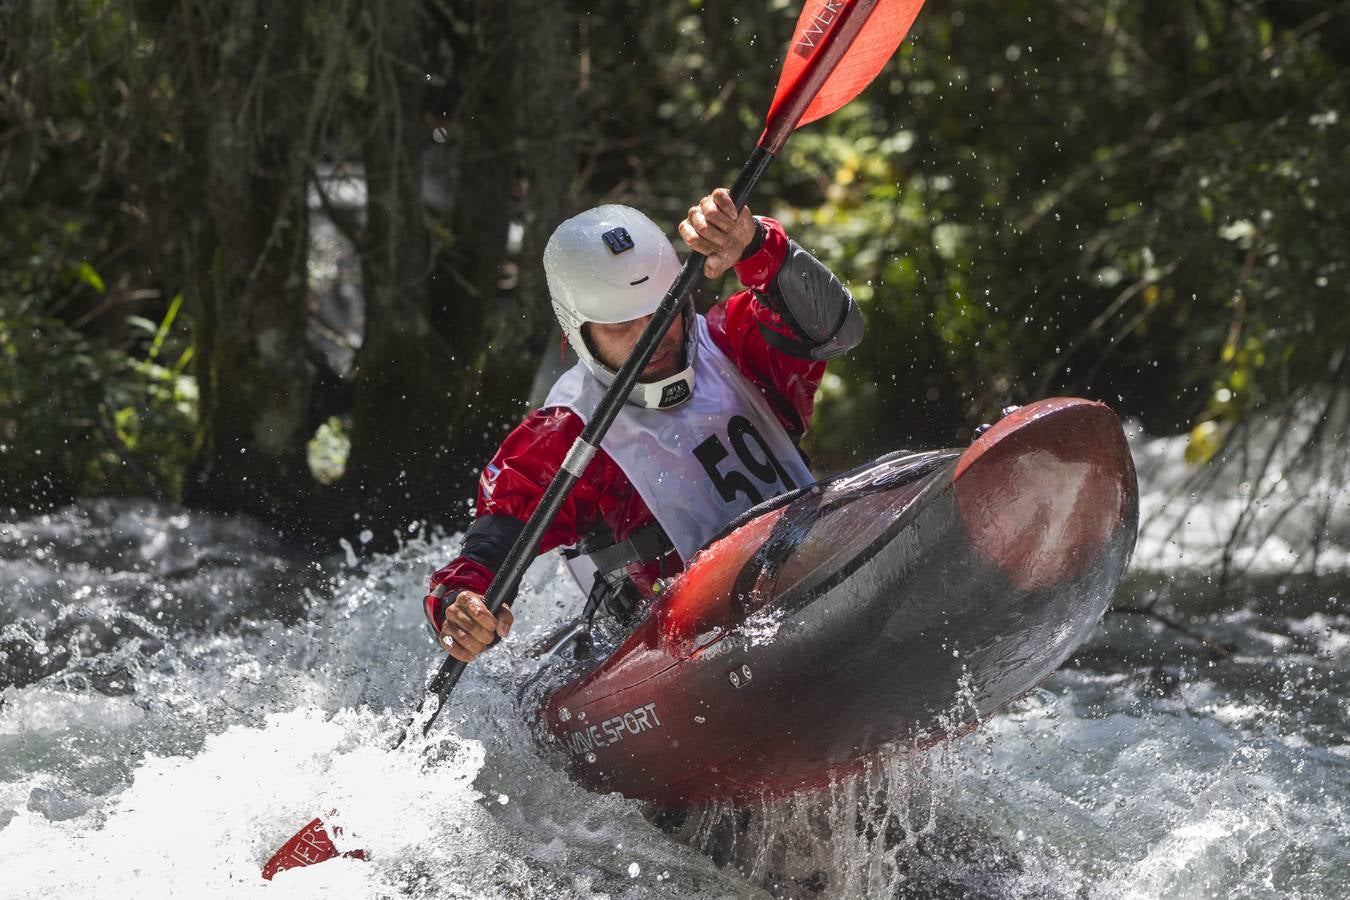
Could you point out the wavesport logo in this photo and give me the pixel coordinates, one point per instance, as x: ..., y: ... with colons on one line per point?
x: 613, y: 729
x: 815, y: 30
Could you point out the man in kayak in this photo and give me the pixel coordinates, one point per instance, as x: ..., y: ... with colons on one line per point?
x: 710, y: 429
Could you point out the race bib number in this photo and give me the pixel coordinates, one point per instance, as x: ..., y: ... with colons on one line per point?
x: 755, y: 471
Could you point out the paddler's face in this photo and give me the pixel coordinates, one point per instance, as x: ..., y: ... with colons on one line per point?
x: 613, y: 343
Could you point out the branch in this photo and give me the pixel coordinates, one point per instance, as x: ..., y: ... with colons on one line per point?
x: 118, y: 447
x: 1214, y: 646
x: 345, y: 220
x: 1100, y: 321
x: 1155, y: 121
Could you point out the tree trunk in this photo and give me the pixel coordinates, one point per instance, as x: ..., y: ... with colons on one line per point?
x: 453, y: 338
x: 547, y: 166
x: 487, y: 199
x: 402, y: 385
x: 249, y: 268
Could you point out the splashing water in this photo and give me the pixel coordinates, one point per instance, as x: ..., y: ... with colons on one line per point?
x: 192, y: 757
x: 182, y: 693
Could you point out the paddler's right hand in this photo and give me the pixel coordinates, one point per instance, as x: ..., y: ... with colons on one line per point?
x: 468, y: 627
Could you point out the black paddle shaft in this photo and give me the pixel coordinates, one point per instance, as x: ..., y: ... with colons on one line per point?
x: 507, y: 579
x: 782, y: 121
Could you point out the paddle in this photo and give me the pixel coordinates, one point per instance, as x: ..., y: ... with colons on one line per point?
x: 838, y: 47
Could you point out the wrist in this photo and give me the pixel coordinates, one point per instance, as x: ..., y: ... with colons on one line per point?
x: 756, y: 242
x: 438, y: 602
x: 758, y: 268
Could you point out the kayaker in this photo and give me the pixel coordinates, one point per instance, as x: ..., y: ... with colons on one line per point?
x: 711, y: 428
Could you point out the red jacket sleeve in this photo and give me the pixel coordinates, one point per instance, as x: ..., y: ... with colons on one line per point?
x: 788, y: 383
x: 515, y: 480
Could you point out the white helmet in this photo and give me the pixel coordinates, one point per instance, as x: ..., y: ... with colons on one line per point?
x: 613, y: 264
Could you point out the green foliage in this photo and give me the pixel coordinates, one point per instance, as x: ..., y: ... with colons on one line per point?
x: 78, y: 418
x: 1141, y: 203
x: 1138, y: 204
x: 329, y: 449
x: 1099, y: 201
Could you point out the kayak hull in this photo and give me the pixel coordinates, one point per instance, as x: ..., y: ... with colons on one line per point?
x: 885, y: 609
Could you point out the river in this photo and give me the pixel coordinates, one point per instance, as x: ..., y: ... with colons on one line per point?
x: 181, y: 693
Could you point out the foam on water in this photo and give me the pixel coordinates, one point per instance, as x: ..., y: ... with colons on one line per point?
x: 182, y: 773
x: 185, y: 694
x: 201, y: 823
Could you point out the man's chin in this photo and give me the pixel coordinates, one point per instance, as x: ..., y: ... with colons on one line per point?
x: 668, y: 370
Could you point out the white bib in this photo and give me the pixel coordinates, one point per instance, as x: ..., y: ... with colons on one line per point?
x: 702, y: 463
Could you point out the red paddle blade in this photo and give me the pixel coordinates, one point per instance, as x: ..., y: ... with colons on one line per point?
x: 884, y: 24
x: 310, y: 845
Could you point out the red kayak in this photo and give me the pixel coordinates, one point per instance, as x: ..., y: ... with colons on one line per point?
x: 847, y: 618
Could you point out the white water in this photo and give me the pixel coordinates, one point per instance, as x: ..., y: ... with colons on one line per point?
x: 189, y: 695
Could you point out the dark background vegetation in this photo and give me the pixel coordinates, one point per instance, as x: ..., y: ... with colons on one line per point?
x: 1142, y: 202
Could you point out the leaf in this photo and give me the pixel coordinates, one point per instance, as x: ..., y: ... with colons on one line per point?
x: 1205, y: 440
x: 89, y: 275
x: 165, y: 325
x: 128, y: 426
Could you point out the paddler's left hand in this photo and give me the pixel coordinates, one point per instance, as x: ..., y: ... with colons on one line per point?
x: 715, y: 229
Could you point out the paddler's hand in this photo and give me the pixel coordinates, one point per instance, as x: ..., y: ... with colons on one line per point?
x: 716, y: 230
x: 469, y: 627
